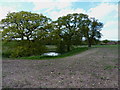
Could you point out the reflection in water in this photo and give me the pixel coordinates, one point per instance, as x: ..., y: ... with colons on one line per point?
x: 51, y: 54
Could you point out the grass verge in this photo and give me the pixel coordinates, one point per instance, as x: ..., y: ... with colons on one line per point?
x: 111, y: 46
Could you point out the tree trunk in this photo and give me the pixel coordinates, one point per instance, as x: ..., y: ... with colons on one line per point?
x: 89, y: 42
x: 68, y: 48
x: 69, y: 43
x: 28, y: 38
x: 22, y: 38
x: 89, y: 45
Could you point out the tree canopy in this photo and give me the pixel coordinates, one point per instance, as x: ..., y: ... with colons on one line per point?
x: 64, y: 32
x: 73, y: 27
x: 23, y: 25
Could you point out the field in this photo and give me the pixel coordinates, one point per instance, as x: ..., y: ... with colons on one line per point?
x: 93, y: 68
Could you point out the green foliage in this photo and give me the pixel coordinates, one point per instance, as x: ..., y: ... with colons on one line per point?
x: 7, y: 47
x: 91, y: 30
x: 61, y: 47
x: 37, y: 48
x: 20, y: 51
x: 73, y: 27
x: 28, y: 49
x: 6, y: 54
x: 105, y: 41
x: 33, y: 31
x: 23, y: 48
x: 30, y: 28
x: 23, y: 25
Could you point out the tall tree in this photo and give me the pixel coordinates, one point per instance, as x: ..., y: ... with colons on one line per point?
x: 31, y: 30
x: 23, y: 25
x: 91, y: 30
x: 69, y: 28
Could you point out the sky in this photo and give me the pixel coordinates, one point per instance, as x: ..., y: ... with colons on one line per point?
x: 105, y: 11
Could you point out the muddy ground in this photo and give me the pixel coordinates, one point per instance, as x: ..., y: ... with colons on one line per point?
x: 94, y: 68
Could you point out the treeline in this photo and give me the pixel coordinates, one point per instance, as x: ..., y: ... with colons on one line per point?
x: 33, y: 31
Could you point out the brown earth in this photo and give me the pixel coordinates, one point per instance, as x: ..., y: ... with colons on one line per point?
x: 95, y: 68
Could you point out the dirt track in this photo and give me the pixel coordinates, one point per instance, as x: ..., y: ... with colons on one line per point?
x: 95, y: 68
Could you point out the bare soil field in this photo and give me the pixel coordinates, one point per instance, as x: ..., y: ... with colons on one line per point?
x: 94, y: 68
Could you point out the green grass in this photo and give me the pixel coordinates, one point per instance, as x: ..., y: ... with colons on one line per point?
x: 106, y: 46
x: 109, y: 67
x: 94, y: 46
x: 71, y: 53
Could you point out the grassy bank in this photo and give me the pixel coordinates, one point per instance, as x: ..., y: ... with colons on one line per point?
x: 7, y: 48
x: 94, y: 46
x: 71, y: 53
x: 106, y: 46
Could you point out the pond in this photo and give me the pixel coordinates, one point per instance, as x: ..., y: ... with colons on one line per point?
x: 51, y: 54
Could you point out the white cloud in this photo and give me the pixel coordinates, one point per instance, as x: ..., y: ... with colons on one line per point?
x: 40, y: 0
x: 56, y: 14
x: 111, y: 24
x: 102, y: 10
x: 49, y: 0
x: 4, y: 10
x: 45, y: 0
x: 107, y: 13
x: 110, y: 30
x: 59, y: 0
x: 111, y: 34
x: 51, y: 5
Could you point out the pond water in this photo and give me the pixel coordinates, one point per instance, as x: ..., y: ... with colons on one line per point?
x: 51, y: 54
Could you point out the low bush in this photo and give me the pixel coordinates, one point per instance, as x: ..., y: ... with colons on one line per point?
x: 24, y: 48
x: 6, y: 54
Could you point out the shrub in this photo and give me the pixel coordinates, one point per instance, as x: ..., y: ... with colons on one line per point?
x: 20, y: 51
x: 27, y: 48
x: 6, y: 54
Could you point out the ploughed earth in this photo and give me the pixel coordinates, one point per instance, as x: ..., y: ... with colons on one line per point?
x: 94, y: 68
